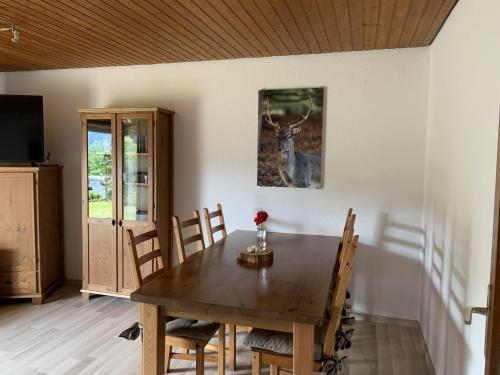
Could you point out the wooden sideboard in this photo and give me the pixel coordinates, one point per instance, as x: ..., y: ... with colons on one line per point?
x: 127, y: 172
x: 31, y: 231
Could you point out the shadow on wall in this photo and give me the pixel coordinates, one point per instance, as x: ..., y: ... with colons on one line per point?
x: 398, y: 253
x: 444, y: 292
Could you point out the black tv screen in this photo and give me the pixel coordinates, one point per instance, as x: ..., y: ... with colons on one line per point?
x: 21, y: 129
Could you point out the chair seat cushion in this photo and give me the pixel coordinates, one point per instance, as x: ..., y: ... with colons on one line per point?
x: 282, y: 342
x: 191, y: 329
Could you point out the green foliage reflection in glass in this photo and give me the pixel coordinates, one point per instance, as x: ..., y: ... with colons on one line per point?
x: 130, y: 168
x: 100, y: 169
x: 135, y: 167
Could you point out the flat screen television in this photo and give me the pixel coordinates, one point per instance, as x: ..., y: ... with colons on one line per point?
x: 21, y: 129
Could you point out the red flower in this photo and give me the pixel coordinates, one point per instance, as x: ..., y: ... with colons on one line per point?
x: 260, y: 217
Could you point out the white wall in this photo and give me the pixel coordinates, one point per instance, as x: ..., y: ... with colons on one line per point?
x: 376, y: 112
x: 460, y: 183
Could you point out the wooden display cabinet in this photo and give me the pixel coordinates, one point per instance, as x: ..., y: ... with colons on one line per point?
x: 127, y: 170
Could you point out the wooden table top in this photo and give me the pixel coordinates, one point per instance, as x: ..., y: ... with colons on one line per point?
x: 294, y: 288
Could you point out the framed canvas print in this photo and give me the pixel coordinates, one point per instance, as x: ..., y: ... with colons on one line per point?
x: 290, y: 137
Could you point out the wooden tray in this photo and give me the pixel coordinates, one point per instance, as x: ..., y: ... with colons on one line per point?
x: 256, y: 258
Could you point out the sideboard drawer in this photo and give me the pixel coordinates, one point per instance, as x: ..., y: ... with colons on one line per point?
x: 18, y: 283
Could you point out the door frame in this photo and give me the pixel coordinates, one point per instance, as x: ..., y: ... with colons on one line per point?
x: 493, y: 329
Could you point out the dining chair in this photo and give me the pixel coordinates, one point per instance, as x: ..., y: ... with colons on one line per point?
x: 198, y: 243
x: 186, y: 334
x: 275, y: 348
x: 220, y: 227
x: 218, y: 214
x: 196, y: 239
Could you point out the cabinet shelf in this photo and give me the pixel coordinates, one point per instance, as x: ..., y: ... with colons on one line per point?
x: 136, y: 153
x: 137, y: 183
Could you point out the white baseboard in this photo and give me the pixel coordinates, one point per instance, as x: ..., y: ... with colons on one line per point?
x: 385, y: 320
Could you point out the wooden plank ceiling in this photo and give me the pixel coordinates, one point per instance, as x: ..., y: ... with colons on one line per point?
x: 59, y: 34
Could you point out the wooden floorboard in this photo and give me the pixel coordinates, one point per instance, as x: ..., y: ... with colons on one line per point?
x: 70, y: 336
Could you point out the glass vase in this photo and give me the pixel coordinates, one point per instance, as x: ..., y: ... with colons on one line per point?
x: 261, y: 237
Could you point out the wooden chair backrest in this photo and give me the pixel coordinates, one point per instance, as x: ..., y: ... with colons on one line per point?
x: 221, y: 227
x: 349, y: 253
x: 338, y: 299
x: 136, y: 262
x: 348, y: 218
x: 348, y: 226
x: 347, y: 246
x: 346, y: 239
x: 194, y: 239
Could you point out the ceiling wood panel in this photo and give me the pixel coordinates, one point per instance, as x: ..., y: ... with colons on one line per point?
x: 300, y: 19
x: 59, y: 34
x: 278, y: 28
x: 316, y: 22
x: 399, y: 17
x: 385, y: 17
x: 413, y: 19
x: 425, y: 23
x: 371, y: 22
x: 223, y: 17
x: 330, y: 24
x: 232, y: 21
x: 282, y: 11
x: 356, y: 21
x: 212, y: 27
x: 195, y: 28
x: 438, y: 22
x: 152, y: 23
x: 43, y: 25
x: 248, y: 16
x: 265, y: 26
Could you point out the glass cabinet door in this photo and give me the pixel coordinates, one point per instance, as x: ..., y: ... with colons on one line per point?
x: 135, y: 189
x: 99, y: 186
x: 136, y: 167
x: 100, y: 168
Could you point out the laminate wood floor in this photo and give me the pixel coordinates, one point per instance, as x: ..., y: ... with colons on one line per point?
x: 69, y: 336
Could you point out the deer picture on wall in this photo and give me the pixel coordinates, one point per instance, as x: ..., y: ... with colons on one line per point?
x: 290, y: 137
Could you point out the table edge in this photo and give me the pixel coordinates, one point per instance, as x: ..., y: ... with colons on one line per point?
x: 205, y: 308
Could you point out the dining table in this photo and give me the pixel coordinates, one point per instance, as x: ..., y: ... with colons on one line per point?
x: 288, y: 295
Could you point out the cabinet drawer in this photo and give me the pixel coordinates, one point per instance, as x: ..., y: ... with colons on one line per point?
x: 17, y: 283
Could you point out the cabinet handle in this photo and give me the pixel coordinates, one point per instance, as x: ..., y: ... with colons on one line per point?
x: 120, y: 223
x: 113, y: 222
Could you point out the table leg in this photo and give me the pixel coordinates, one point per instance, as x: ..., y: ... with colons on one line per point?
x: 153, y: 344
x: 232, y: 347
x: 303, y: 349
